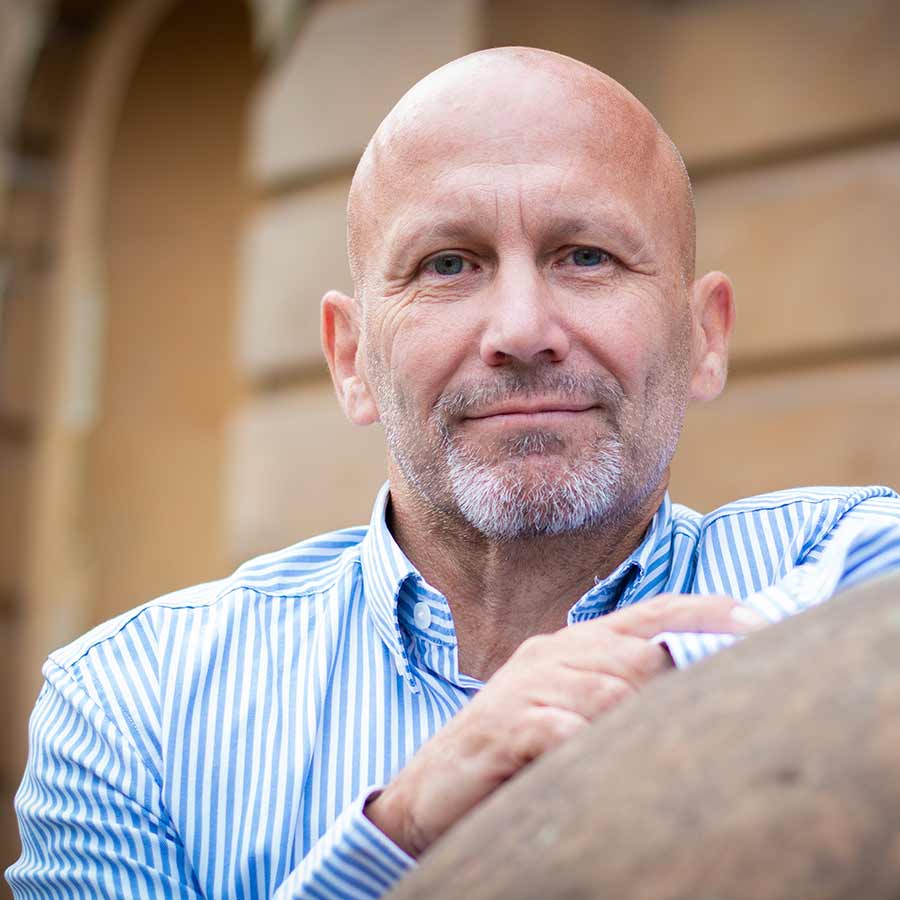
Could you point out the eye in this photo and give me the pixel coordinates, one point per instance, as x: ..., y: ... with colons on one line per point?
x: 589, y: 256
x: 446, y: 264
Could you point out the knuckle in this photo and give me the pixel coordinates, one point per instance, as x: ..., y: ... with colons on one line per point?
x: 541, y: 728
x: 618, y: 689
x: 611, y: 692
x: 649, y: 661
x: 557, y: 726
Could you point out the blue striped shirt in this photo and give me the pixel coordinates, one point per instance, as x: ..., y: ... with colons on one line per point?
x: 221, y: 741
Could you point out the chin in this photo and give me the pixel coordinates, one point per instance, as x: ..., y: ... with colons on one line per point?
x: 536, y: 495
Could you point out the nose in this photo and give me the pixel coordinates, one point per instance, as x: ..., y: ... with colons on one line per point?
x: 522, y: 322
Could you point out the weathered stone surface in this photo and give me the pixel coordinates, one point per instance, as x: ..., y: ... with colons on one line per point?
x: 811, y: 248
x: 294, y: 251
x: 14, y: 475
x: 835, y: 425
x: 731, y: 79
x: 297, y: 468
x: 10, y: 845
x: 352, y: 61
x: 20, y: 347
x: 275, y: 22
x: 14, y: 746
x: 769, y: 771
x: 22, y: 27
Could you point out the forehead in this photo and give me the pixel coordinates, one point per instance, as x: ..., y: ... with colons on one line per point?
x: 492, y: 202
x: 500, y: 181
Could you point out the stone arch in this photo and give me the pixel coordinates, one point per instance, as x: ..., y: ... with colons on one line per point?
x: 107, y: 193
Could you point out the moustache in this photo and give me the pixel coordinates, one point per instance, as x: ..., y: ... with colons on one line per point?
x: 472, y: 396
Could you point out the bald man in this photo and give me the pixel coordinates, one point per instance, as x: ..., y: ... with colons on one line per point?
x: 528, y: 328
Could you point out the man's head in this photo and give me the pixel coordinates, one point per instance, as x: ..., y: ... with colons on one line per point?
x: 526, y: 323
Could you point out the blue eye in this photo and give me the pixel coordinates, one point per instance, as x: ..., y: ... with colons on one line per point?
x: 589, y: 256
x: 447, y: 264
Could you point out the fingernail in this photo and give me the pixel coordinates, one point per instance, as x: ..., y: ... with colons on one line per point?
x: 749, y: 618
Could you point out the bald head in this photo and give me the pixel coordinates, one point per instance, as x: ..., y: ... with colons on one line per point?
x: 532, y: 102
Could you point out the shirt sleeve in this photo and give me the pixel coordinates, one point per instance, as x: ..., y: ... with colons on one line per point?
x: 93, y: 825
x: 90, y: 814
x: 352, y: 860
x: 864, y: 544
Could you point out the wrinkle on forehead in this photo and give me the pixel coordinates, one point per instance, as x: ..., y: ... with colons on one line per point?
x: 518, y: 99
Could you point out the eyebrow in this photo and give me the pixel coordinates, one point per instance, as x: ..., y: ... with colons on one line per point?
x: 404, y: 238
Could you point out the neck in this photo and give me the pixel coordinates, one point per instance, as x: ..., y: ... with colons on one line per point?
x: 502, y: 592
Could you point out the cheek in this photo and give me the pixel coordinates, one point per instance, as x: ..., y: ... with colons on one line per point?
x: 627, y: 342
x: 423, y: 350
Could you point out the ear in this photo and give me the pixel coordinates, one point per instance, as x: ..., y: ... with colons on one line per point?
x: 340, y: 341
x: 712, y: 303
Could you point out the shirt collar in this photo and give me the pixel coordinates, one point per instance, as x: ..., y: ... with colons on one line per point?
x: 622, y: 586
x: 386, y: 570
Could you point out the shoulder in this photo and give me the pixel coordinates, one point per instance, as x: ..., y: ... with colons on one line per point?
x: 788, y: 524
x: 797, y: 507
x: 297, y: 573
x: 746, y: 545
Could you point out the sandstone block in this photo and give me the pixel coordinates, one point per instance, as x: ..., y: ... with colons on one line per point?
x: 812, y: 250
x: 14, y: 475
x: 13, y: 749
x: 352, y: 61
x: 20, y: 347
x: 837, y: 425
x: 294, y: 250
x: 297, y: 468
x: 734, y: 79
x: 10, y: 845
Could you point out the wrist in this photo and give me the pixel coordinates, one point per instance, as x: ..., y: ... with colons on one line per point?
x: 387, y: 813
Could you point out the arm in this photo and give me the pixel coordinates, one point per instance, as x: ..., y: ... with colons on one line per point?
x: 863, y: 544
x: 90, y: 815
x: 93, y: 824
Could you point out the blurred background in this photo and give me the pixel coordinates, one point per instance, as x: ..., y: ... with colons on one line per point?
x: 173, y: 175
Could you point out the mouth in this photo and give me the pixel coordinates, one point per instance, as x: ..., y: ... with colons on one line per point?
x: 535, y: 414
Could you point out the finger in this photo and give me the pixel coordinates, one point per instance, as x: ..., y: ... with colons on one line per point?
x: 709, y: 613
x: 582, y: 690
x: 634, y: 659
x: 540, y: 729
x: 591, y: 694
x: 589, y: 677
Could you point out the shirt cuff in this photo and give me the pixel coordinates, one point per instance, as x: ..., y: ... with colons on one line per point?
x: 354, y: 859
x: 686, y: 649
x: 800, y: 589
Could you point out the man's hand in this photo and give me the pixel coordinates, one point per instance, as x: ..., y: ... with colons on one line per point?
x: 548, y: 690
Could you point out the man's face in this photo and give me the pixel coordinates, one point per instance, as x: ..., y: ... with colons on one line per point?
x: 526, y: 330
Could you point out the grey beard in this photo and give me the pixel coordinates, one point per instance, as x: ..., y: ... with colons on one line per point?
x: 503, y: 506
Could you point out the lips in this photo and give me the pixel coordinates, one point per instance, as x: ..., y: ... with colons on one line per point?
x: 531, y: 409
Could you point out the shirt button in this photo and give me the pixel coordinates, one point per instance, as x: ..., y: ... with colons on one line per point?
x: 422, y: 615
